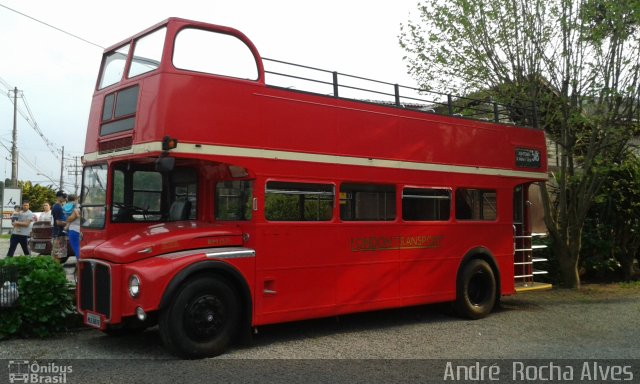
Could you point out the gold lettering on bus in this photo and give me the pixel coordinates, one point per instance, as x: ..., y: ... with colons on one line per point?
x: 385, y: 243
x: 170, y: 245
x: 219, y: 241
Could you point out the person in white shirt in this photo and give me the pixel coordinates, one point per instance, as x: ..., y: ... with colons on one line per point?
x: 21, y: 230
x: 46, y: 215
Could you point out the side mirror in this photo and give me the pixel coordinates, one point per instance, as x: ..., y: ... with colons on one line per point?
x: 165, y: 163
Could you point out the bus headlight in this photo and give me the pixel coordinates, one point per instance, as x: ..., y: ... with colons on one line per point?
x: 134, y: 286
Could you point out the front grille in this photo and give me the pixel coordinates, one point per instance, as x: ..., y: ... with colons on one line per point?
x: 95, y: 288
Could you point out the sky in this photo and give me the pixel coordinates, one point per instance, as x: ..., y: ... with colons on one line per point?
x: 56, y: 73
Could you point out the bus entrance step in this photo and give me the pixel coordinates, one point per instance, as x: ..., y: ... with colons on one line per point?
x: 527, y: 287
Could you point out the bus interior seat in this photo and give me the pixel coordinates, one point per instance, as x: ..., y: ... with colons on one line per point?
x: 180, y: 210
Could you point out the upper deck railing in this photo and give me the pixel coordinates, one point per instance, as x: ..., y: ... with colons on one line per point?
x: 304, y: 78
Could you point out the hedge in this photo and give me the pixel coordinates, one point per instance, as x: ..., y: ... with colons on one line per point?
x: 45, y: 301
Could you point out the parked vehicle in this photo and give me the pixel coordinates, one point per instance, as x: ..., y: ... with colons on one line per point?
x: 41, y: 241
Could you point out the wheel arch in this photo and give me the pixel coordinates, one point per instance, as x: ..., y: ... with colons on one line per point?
x: 484, y: 254
x: 213, y: 267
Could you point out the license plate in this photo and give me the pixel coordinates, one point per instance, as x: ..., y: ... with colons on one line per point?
x: 93, y: 320
x: 40, y: 246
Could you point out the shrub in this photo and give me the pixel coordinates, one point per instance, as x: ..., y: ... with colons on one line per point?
x: 45, y: 300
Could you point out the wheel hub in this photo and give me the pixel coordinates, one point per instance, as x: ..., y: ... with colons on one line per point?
x: 204, y: 317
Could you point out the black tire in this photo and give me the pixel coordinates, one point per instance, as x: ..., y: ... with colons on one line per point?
x: 476, y: 290
x: 201, y: 319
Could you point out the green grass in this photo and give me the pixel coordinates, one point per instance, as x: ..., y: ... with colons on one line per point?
x: 630, y: 284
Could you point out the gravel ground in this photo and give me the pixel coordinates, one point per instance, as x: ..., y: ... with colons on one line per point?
x: 406, y: 345
x: 599, y: 322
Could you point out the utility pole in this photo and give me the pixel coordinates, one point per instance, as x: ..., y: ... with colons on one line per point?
x: 62, y: 169
x: 75, y: 170
x: 14, y: 145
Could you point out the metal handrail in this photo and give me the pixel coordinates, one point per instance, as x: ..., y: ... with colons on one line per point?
x: 501, y: 113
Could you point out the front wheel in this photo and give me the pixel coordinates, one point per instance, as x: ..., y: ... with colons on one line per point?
x: 476, y: 290
x: 202, y: 318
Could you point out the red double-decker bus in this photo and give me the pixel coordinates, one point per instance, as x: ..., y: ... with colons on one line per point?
x: 219, y: 196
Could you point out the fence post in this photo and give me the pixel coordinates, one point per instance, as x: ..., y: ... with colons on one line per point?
x: 396, y: 89
x: 495, y: 112
x: 450, y: 104
x: 335, y: 84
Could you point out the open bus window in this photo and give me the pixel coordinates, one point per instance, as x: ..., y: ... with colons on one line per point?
x: 476, y: 204
x: 147, y: 53
x: 233, y: 200
x: 424, y: 204
x: 366, y: 202
x: 285, y: 201
x: 215, y: 53
x: 113, y: 67
x: 94, y: 196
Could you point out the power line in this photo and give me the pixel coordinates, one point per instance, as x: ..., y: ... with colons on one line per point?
x: 51, y: 26
x: 31, y: 120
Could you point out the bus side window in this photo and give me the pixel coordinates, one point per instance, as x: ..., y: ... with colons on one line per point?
x: 367, y: 202
x: 233, y: 200
x: 290, y: 201
x: 426, y: 204
x: 215, y: 53
x: 476, y: 204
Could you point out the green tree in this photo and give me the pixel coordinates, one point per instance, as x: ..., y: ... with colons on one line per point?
x: 37, y: 195
x: 578, y: 60
x: 614, y: 220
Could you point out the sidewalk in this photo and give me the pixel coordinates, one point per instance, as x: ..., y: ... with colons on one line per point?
x: 69, y: 266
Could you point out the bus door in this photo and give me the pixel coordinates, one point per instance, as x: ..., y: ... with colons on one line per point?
x: 524, y: 247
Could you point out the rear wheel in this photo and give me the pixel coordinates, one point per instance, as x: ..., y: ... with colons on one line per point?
x: 476, y: 290
x: 202, y: 318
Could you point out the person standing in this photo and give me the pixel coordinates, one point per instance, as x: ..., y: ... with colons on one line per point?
x: 46, y: 215
x: 57, y: 213
x: 74, y: 225
x: 21, y: 230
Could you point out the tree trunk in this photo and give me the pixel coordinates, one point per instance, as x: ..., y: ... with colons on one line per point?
x: 568, y: 263
x: 626, y: 263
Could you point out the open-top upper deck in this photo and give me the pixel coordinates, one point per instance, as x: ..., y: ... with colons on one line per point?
x: 172, y: 80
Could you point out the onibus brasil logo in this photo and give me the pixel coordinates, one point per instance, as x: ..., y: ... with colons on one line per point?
x: 25, y: 371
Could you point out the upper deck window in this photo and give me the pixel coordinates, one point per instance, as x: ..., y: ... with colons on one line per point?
x: 113, y: 67
x: 215, y: 53
x: 147, y: 53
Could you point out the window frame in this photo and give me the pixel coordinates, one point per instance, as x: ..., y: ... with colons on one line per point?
x: 481, y: 192
x: 332, y: 194
x: 248, y: 214
x: 449, y: 198
x: 255, y: 69
x: 369, y: 188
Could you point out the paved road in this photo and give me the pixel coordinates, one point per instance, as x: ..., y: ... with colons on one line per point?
x: 387, y: 346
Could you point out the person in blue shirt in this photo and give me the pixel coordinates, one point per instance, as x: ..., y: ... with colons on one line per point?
x: 73, y: 225
x: 58, y: 215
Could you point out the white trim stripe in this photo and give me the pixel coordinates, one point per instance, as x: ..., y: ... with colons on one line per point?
x: 256, y: 153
